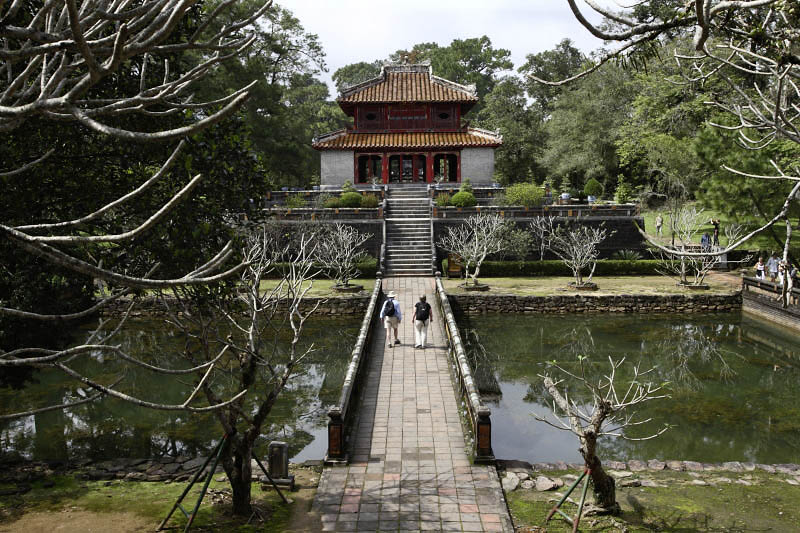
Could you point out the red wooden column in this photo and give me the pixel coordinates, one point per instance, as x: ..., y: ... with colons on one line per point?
x: 458, y: 166
x: 413, y: 168
x: 385, y: 168
x: 429, y: 165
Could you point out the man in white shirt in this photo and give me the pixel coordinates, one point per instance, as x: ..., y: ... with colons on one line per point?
x: 391, y: 315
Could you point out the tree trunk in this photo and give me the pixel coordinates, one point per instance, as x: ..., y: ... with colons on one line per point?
x: 239, y: 474
x: 603, y: 485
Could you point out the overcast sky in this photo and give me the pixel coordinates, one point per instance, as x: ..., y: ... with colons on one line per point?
x: 366, y: 30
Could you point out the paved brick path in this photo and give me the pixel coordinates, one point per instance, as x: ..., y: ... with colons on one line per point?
x: 408, y: 469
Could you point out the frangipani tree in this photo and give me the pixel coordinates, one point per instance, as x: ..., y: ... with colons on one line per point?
x: 60, y: 61
x: 339, y: 251
x: 686, y: 224
x: 257, y: 368
x: 610, y: 410
x: 473, y: 241
x: 577, y: 248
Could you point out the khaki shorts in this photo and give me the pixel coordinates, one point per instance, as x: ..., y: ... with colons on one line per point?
x: 390, y: 322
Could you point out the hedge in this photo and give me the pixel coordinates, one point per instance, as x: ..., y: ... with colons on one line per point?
x: 605, y: 267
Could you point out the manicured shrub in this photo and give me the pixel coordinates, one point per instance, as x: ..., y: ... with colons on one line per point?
x: 322, y: 199
x: 463, y: 199
x: 350, y: 199
x: 524, y: 194
x: 331, y: 203
x: 369, y: 201
x: 593, y: 188
x: 347, y: 186
x: 443, y: 199
x: 466, y: 186
x: 294, y: 201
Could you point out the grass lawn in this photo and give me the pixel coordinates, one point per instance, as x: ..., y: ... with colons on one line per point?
x: 557, y: 286
x: 768, y: 503
x: 73, y: 505
x: 322, y: 288
x: 762, y: 241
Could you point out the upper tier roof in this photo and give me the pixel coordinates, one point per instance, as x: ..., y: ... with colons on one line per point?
x: 407, y: 84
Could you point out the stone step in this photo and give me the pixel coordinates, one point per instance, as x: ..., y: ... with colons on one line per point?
x: 410, y: 273
x: 408, y: 229
x: 394, y: 238
x: 420, y: 247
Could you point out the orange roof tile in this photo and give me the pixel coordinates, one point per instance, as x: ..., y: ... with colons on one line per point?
x: 344, y: 140
x: 408, y: 83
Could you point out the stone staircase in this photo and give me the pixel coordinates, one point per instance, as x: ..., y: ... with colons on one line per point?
x: 408, y: 238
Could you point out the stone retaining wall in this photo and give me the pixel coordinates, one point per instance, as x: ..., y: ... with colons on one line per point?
x: 476, y: 304
x: 355, y: 305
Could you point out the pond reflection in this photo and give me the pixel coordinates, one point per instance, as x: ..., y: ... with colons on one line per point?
x: 112, y: 428
x: 733, y: 384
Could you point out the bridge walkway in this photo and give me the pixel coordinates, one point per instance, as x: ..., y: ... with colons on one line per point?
x: 409, y: 469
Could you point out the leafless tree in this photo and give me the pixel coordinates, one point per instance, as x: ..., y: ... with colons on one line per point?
x: 611, y: 410
x: 55, y: 56
x: 474, y: 240
x: 577, y: 248
x: 686, y: 224
x: 543, y: 229
x: 751, y: 39
x: 249, y: 325
x: 339, y: 252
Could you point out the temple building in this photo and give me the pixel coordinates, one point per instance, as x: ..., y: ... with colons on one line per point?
x: 407, y: 129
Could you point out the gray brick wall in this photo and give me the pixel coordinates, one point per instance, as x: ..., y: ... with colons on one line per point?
x: 336, y: 167
x: 477, y: 164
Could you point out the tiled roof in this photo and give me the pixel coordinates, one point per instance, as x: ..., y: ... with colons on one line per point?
x: 344, y: 140
x: 408, y: 83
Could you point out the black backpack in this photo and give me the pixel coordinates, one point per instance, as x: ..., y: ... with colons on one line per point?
x: 388, y: 308
x: 423, y: 311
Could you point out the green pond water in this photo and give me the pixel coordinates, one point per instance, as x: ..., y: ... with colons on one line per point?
x: 734, y: 384
x: 113, y: 428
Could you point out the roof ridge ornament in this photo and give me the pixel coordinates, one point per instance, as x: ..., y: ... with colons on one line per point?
x: 424, y: 67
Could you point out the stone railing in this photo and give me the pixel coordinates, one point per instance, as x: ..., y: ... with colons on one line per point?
x: 339, y: 422
x: 564, y: 211
x: 477, y: 304
x: 321, y: 213
x: 479, y: 414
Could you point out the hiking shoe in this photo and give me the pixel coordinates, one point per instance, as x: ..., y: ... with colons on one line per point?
x: 397, y: 341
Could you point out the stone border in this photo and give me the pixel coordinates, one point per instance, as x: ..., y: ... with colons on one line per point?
x: 163, y: 469
x: 475, y: 304
x: 480, y: 414
x: 628, y: 474
x: 338, y: 414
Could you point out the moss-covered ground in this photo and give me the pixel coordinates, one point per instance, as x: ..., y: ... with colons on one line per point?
x: 608, y: 285
x: 678, y: 503
x: 67, y: 504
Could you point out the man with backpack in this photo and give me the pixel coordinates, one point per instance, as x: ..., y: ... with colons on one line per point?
x: 391, y: 317
x: 422, y: 316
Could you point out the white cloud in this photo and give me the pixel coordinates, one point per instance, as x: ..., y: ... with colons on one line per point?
x: 366, y: 30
